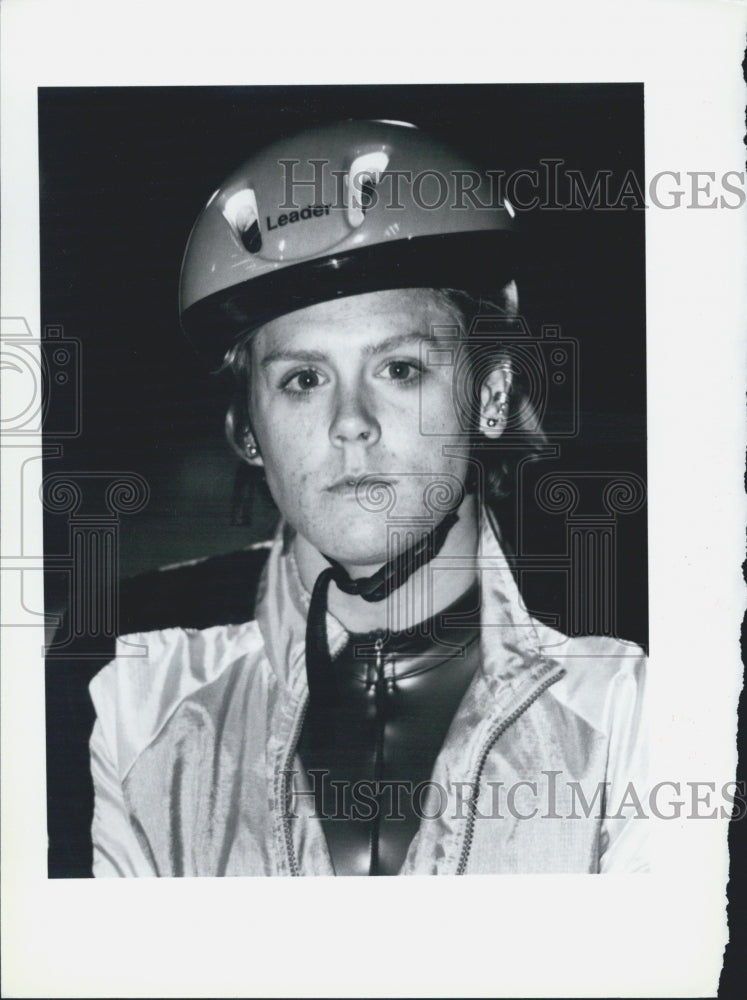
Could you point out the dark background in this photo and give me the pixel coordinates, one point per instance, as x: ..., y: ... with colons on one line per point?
x: 124, y: 172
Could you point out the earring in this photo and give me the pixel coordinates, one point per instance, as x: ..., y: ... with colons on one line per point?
x: 250, y: 445
x: 501, y: 414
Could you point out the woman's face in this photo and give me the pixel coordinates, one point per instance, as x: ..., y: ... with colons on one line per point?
x: 353, y: 388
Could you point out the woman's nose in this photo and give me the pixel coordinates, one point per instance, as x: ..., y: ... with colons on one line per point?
x: 353, y: 421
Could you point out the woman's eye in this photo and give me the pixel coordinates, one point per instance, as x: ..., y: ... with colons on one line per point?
x: 303, y: 381
x: 401, y: 371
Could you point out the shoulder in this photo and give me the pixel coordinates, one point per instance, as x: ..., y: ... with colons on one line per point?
x: 173, y: 627
x: 199, y: 595
x: 153, y: 673
x: 604, y: 681
x: 180, y: 629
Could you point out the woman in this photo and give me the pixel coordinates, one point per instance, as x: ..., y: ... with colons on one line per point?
x: 366, y: 694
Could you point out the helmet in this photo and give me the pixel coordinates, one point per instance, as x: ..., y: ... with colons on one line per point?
x: 338, y: 210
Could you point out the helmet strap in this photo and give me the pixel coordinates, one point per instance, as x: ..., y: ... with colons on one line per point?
x: 374, y: 588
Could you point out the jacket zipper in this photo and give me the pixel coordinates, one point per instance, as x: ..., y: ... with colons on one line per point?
x: 380, y: 700
x: 287, y: 830
x: 472, y: 815
x: 492, y: 740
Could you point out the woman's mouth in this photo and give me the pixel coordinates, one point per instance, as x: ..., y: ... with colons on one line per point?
x: 360, y: 486
x: 344, y: 487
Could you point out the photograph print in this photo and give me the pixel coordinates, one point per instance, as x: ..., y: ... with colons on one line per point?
x: 344, y: 479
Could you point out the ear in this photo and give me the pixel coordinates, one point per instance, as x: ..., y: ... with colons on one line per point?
x: 495, y: 391
x: 510, y: 299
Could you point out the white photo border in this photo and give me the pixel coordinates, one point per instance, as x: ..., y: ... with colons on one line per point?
x: 656, y: 935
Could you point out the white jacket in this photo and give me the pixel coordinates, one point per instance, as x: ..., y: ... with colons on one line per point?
x: 195, y: 770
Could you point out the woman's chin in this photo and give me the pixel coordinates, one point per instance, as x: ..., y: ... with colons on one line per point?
x: 368, y: 547
x: 355, y: 556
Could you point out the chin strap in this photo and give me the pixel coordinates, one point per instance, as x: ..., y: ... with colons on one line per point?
x: 384, y: 581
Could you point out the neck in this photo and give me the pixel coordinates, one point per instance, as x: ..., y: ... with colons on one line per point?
x: 429, y: 590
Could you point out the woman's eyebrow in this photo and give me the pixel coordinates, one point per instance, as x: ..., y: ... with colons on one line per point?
x: 306, y: 357
x: 399, y: 340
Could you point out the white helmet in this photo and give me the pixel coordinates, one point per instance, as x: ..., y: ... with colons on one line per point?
x: 337, y: 210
